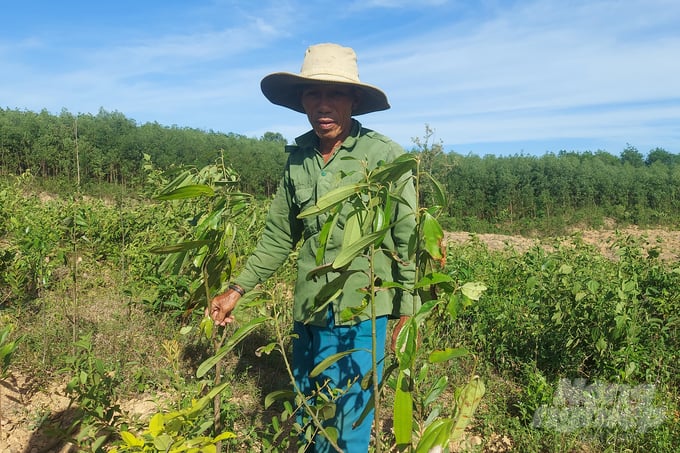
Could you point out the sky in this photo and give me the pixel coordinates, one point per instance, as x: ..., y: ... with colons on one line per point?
x: 500, y: 77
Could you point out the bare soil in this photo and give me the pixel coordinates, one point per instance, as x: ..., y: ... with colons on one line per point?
x: 25, y: 407
x: 602, y: 240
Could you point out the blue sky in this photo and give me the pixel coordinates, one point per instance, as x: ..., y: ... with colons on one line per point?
x: 489, y: 77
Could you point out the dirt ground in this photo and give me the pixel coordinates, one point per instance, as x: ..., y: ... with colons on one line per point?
x: 25, y: 411
x: 24, y: 408
x: 669, y: 241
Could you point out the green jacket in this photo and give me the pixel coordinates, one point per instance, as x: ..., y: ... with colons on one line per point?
x: 306, y: 178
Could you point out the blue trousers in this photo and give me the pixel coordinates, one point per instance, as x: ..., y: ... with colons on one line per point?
x: 313, y: 345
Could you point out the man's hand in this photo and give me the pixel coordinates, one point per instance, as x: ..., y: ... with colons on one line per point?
x: 397, y: 328
x: 221, y: 307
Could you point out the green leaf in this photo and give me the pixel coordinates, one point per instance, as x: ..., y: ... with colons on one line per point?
x: 467, y: 401
x: 439, y: 191
x: 156, y: 424
x: 326, y: 411
x: 163, y: 442
x: 4, y: 332
x: 6, y: 350
x: 330, y: 291
x: 473, y: 290
x: 188, y: 191
x: 447, y: 354
x: 207, y: 325
x: 130, y: 439
x: 181, y: 247
x: 224, y: 436
x: 328, y: 361
x: 393, y: 171
x: 457, y: 302
x: 406, y: 346
x: 565, y: 269
x: 347, y: 254
x: 436, y: 390
x: 239, y: 335
x: 403, y: 411
x: 331, y: 199
x: 324, y: 236
x: 194, y: 410
x: 425, y: 310
x: 352, y: 232
x: 433, y: 278
x: 98, y: 443
x: 435, y: 435
x: 379, y: 219
x: 331, y: 433
x: 186, y: 330
x: 266, y: 349
x: 277, y: 395
x: 349, y: 313
x: 432, y: 235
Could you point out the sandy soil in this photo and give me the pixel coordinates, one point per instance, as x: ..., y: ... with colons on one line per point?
x: 669, y: 241
x: 27, y: 412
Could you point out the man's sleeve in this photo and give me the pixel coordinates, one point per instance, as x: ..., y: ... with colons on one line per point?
x: 403, y: 235
x: 281, y: 232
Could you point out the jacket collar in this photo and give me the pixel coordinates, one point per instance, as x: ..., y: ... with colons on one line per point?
x: 310, y: 139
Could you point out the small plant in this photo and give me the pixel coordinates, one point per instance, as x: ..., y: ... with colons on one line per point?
x: 205, y: 260
x: 92, y: 389
x: 178, y: 431
x: 372, y: 204
x: 7, y: 349
x: 301, y: 416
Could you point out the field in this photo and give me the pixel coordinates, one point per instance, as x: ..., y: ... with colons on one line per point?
x: 572, y: 325
x: 108, y: 336
x: 29, y: 400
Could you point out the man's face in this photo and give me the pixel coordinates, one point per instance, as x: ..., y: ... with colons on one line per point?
x: 329, y: 110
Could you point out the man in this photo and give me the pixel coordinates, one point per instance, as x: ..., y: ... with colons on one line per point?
x: 329, y: 92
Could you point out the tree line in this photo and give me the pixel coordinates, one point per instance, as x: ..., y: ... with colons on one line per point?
x: 485, y: 192
x: 522, y: 192
x: 109, y: 148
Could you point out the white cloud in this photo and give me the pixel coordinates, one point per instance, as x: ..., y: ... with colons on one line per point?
x: 476, y: 71
x: 534, y: 72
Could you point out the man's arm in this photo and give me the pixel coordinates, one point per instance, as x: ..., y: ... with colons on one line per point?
x: 281, y: 233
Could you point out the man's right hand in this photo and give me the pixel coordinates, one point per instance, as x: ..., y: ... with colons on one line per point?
x: 221, y: 307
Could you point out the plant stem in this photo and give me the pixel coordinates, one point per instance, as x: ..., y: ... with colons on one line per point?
x: 374, y: 357
x: 74, y: 270
x: 217, y: 344
x: 303, y: 398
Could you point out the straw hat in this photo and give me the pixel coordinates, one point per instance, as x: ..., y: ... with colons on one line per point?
x: 323, y: 64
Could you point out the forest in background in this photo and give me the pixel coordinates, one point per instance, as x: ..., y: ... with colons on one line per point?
x: 513, y: 194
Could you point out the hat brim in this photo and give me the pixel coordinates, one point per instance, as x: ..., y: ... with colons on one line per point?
x: 285, y: 89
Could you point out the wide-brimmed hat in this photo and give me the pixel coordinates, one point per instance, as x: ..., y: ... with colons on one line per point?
x: 323, y: 64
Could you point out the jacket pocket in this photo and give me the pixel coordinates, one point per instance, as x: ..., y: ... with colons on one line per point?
x: 303, y: 197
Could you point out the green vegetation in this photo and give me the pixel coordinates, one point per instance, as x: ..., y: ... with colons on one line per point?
x: 518, y: 194
x: 577, y: 351
x: 547, y: 194
x: 90, y: 150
